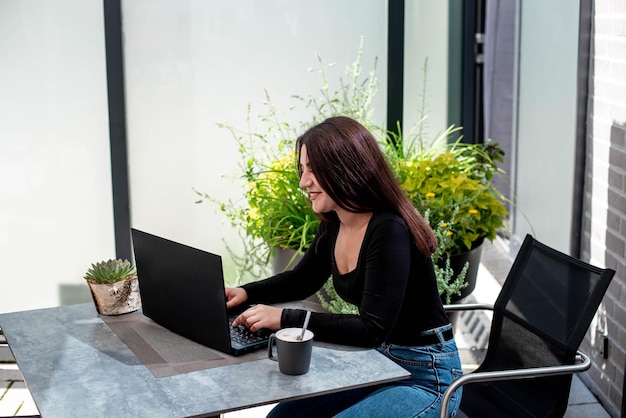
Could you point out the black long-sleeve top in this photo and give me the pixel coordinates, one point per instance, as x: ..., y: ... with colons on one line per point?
x: 393, y: 285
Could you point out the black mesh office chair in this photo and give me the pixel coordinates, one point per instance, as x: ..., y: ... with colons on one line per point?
x: 539, y: 320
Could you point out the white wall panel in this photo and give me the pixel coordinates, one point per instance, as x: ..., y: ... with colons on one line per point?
x: 55, y: 189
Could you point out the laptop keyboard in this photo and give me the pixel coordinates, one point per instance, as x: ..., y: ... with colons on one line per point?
x: 244, y: 336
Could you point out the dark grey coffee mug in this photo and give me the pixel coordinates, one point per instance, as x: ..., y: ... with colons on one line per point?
x: 293, y: 356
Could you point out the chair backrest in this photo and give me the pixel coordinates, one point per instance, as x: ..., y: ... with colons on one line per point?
x: 540, y: 318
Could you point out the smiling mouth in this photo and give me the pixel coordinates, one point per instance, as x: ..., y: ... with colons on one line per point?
x: 313, y: 195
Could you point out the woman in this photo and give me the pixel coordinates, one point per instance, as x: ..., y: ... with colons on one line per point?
x: 377, y: 248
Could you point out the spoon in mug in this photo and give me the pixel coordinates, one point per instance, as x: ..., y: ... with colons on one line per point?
x: 306, y: 324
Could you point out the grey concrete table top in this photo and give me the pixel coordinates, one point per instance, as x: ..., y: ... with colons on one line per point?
x: 75, y: 366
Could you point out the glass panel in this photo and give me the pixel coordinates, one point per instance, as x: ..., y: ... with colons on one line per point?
x: 193, y: 64
x: 427, y: 38
x: 55, y: 188
x: 546, y: 120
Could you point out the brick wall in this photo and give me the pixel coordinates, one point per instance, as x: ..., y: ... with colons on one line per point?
x: 604, y: 227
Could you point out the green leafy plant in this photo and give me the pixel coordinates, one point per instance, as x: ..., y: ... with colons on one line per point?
x: 279, y: 213
x: 449, y: 283
x: 449, y: 179
x: 449, y: 182
x: 455, y: 187
x: 275, y: 213
x: 111, y: 271
x: 332, y: 302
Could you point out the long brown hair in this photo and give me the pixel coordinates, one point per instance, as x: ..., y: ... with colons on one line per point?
x: 349, y: 165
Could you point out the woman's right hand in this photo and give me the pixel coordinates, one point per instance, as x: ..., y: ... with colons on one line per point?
x: 235, y: 296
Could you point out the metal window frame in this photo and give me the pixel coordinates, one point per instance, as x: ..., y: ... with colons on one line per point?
x: 117, y: 127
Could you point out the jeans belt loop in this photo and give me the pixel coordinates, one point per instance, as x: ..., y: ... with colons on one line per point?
x: 438, y: 337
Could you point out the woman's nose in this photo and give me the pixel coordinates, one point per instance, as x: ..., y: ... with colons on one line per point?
x: 305, y: 180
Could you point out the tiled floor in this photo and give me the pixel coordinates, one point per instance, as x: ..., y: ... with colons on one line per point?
x: 15, y: 399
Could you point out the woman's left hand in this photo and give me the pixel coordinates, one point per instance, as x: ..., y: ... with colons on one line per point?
x: 260, y: 316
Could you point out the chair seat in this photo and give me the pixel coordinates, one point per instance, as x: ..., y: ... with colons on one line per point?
x: 504, y: 398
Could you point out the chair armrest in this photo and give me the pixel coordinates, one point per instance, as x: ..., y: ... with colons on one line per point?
x: 468, y: 307
x: 582, y: 363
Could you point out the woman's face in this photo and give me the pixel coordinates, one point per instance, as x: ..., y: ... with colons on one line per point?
x: 320, y: 201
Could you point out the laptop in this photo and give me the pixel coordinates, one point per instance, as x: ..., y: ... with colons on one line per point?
x: 182, y: 289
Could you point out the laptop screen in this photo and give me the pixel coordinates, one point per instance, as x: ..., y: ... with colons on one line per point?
x: 182, y: 289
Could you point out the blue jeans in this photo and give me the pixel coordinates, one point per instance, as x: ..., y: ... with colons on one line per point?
x: 432, y: 369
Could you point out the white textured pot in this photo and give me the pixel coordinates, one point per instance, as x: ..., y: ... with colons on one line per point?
x: 116, y: 298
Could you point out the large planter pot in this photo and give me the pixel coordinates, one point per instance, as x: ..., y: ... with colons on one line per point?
x: 116, y: 298
x: 457, y: 262
x: 284, y: 259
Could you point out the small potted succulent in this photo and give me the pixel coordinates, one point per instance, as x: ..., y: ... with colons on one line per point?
x: 114, y: 287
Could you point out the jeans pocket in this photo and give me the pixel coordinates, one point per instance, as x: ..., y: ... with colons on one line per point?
x: 455, y: 401
x: 411, y: 358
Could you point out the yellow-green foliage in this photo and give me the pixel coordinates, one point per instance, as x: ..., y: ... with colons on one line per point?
x: 455, y: 187
x: 278, y: 211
